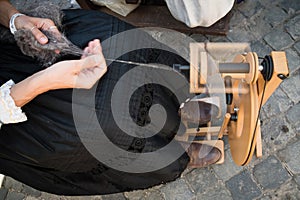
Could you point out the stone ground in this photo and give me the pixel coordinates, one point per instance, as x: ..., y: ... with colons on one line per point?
x: 267, y: 26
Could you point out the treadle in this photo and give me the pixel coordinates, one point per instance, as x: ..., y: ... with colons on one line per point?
x: 160, y: 16
x: 211, y: 100
x: 219, y: 144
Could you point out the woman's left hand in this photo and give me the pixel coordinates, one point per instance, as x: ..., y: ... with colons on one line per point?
x: 35, y: 24
x: 83, y: 73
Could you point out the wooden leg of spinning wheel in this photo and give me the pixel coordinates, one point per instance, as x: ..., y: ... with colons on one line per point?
x: 258, y: 141
x: 1, y: 180
x: 224, y: 126
x: 208, y: 135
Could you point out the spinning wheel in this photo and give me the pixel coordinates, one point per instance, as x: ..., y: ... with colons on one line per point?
x: 247, y: 86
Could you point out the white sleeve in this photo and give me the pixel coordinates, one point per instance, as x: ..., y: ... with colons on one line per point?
x: 9, y: 112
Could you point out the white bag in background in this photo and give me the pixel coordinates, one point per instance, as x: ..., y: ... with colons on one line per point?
x: 199, y: 12
x: 118, y: 6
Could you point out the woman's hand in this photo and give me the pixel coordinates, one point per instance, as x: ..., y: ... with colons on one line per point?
x: 83, y: 73
x: 35, y: 24
x: 32, y: 23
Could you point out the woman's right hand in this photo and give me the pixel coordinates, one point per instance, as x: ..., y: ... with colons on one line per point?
x: 83, y: 73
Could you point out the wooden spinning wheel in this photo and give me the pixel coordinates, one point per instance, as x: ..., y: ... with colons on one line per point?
x: 248, y: 85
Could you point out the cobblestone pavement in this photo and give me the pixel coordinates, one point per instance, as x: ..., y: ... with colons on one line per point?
x: 267, y: 25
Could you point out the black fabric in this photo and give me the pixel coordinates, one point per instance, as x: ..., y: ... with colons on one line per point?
x: 46, y: 153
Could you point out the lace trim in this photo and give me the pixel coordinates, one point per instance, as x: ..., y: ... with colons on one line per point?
x: 9, y: 112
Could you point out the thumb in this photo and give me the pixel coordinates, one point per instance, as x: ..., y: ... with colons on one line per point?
x: 39, y: 36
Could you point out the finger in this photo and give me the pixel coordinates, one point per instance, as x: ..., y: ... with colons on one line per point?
x: 92, y: 44
x: 85, y: 53
x: 55, y: 30
x: 39, y: 36
x: 97, y: 42
x: 95, y: 46
x: 48, y: 25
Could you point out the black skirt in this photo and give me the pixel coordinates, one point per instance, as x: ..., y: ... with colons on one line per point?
x: 46, y: 151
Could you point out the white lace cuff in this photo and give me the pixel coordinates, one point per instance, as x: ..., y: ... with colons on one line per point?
x: 9, y: 112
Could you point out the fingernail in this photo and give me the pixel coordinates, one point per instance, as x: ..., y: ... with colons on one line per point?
x: 43, y: 39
